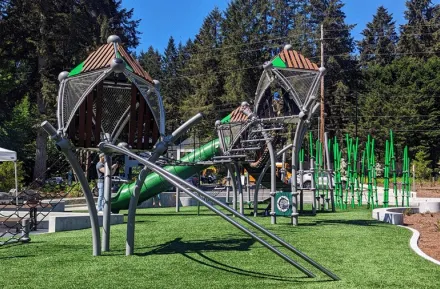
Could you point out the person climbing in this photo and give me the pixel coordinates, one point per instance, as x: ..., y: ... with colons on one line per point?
x: 277, y: 104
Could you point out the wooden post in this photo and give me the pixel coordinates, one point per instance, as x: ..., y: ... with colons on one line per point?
x: 322, y: 129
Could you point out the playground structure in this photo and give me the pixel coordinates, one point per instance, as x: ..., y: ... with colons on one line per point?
x: 110, y: 102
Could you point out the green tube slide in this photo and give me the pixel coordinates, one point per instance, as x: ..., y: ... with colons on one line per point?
x: 155, y: 184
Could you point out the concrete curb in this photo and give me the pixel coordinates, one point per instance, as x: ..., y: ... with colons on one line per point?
x: 413, y: 243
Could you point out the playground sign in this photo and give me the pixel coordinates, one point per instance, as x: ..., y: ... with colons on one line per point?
x: 283, y: 204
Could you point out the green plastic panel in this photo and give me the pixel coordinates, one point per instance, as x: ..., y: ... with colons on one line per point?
x: 77, y: 69
x: 283, y: 204
x: 227, y: 118
x: 278, y: 62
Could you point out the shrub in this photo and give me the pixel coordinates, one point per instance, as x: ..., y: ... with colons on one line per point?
x: 7, y: 176
x: 422, y: 163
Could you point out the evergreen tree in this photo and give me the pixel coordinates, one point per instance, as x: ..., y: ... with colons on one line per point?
x: 341, y: 77
x: 303, y: 33
x: 206, y: 82
x: 151, y: 62
x: 402, y: 96
x: 244, y: 29
x: 380, y: 40
x: 34, y: 36
x: 17, y: 132
x: 420, y: 36
x: 169, y: 86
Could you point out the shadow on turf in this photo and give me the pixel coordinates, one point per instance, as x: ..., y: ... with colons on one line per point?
x: 344, y: 222
x: 174, y: 214
x: 177, y: 246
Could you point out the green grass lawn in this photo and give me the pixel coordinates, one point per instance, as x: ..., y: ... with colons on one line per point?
x: 183, y: 250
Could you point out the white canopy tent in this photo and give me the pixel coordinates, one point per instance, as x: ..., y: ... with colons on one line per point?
x: 10, y: 156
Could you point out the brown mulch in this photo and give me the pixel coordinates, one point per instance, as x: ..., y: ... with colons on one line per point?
x: 428, y: 190
x: 428, y: 225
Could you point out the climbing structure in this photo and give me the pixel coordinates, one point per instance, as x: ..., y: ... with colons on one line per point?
x: 106, y: 92
x: 285, y: 101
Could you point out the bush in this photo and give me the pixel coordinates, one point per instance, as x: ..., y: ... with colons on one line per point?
x: 422, y: 163
x: 7, y: 176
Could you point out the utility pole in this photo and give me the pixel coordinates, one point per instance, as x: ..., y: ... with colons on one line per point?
x: 321, y: 130
x: 356, y: 124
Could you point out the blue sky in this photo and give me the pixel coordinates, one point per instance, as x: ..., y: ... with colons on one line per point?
x: 182, y: 19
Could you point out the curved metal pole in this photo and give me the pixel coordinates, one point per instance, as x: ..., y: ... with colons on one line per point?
x: 184, y: 186
x: 66, y: 148
x: 107, y: 203
x: 178, y: 183
x: 134, y: 199
x: 257, y: 187
x: 129, y: 243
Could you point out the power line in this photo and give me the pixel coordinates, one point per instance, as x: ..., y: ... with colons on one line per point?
x: 205, y: 52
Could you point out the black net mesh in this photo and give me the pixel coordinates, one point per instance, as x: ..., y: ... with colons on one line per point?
x: 300, y: 81
x: 152, y: 99
x: 263, y: 84
x: 115, y: 106
x: 73, y: 89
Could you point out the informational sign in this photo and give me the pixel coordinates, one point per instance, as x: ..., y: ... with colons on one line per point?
x: 283, y: 204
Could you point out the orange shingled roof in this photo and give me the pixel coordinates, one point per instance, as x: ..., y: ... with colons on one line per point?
x: 294, y: 59
x: 103, y: 56
x: 238, y: 116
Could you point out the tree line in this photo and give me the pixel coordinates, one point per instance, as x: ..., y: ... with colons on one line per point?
x: 387, y: 80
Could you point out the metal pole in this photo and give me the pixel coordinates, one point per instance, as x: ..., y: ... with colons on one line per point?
x: 129, y: 242
x: 183, y: 186
x: 65, y: 147
x: 234, y: 187
x: 321, y: 136
x: 107, y: 203
x: 16, y: 183
x: 160, y: 148
x: 240, y: 188
x: 356, y: 121
x: 177, y: 200
x: 248, y: 190
x: 228, y: 183
x: 273, y: 184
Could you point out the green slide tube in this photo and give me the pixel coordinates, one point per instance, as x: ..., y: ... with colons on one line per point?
x: 155, y: 184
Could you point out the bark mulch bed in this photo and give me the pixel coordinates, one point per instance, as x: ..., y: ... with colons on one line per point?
x: 428, y: 191
x: 428, y: 225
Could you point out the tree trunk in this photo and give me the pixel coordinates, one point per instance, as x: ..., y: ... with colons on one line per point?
x: 41, y: 141
x: 40, y: 155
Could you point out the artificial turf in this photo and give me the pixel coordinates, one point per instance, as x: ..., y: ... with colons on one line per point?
x: 184, y: 250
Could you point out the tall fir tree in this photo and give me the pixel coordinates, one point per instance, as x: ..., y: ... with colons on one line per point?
x: 204, y: 66
x: 402, y: 96
x: 302, y: 32
x: 151, y: 62
x: 341, y: 77
x: 34, y: 35
x: 379, y: 45
x: 245, y: 28
x: 420, y: 36
x: 169, y: 85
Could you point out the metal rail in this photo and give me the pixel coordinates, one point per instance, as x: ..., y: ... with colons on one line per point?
x: 183, y: 185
